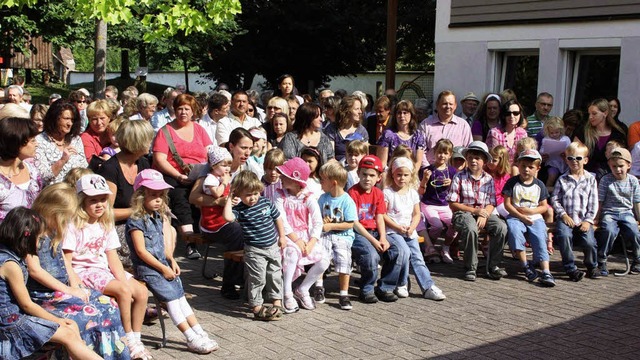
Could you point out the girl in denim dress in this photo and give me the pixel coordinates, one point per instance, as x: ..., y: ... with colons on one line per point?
x: 57, y: 288
x: 24, y: 326
x: 153, y: 260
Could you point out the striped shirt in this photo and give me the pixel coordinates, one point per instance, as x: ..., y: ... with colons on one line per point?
x: 618, y: 196
x: 477, y: 193
x: 576, y: 197
x: 258, y: 222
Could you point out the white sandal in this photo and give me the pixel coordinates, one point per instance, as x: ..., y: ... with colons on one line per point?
x: 139, y: 351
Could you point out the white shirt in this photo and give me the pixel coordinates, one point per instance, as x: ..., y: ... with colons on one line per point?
x: 228, y: 124
x: 210, y: 126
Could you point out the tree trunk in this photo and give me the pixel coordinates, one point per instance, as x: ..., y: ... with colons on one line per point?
x: 100, y: 61
x: 141, y: 81
x: 124, y: 64
x: 186, y: 74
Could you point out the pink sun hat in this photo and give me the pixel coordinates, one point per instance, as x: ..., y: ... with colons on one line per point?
x: 151, y: 179
x: 295, y: 169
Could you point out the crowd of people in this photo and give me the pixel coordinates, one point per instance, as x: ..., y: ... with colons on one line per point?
x: 94, y: 194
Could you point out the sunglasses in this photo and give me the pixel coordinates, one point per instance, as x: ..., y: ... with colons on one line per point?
x: 273, y: 108
x: 576, y: 158
x: 515, y: 113
x: 80, y: 101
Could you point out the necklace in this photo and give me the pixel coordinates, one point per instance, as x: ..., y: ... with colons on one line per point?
x: 59, y: 143
x: 9, y: 174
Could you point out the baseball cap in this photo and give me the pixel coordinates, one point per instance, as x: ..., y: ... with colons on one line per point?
x: 92, y: 185
x: 371, y: 162
x: 621, y: 153
x: 151, y: 179
x: 530, y: 154
x: 295, y: 169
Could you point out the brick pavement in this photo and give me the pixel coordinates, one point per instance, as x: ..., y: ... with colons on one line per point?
x: 510, y: 318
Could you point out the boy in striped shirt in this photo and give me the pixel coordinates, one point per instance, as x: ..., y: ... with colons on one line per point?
x: 264, y: 237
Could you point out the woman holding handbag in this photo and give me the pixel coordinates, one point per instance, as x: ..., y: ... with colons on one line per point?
x: 179, y: 146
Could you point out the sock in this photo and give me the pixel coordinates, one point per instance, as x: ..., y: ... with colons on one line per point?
x: 189, y: 334
x: 546, y: 272
x: 314, y: 273
x: 344, y: 292
x: 137, y: 335
x: 525, y: 265
x: 320, y: 282
x: 198, y: 329
x: 445, y: 248
x: 131, y: 338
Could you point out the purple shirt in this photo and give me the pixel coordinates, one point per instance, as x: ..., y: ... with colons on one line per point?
x: 436, y: 193
x: 457, y: 130
x: 391, y: 140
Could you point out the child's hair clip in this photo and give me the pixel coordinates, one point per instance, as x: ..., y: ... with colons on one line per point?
x: 27, y: 233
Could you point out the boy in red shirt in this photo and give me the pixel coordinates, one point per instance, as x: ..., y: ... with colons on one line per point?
x: 371, y: 241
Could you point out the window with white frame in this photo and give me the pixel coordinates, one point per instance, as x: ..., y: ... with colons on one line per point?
x: 595, y: 74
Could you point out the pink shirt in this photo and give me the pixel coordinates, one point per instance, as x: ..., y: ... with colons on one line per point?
x: 497, y: 136
x: 193, y: 152
x: 90, y: 245
x: 457, y: 130
x: 499, y: 182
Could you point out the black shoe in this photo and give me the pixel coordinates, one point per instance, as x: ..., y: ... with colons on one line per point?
x: 230, y: 293
x: 192, y: 252
x: 318, y: 295
x: 496, y: 273
x: 593, y: 273
x: 386, y: 296
x: 635, y: 269
x: 345, y: 303
x: 368, y: 298
x: 576, y: 275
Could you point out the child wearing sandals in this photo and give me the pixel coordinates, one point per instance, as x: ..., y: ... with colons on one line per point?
x: 91, y: 245
x: 264, y: 237
x: 402, y: 218
x: 153, y: 261
x: 24, y: 326
x: 434, y: 189
x: 303, y: 225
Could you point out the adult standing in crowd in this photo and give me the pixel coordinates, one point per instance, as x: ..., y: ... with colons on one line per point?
x: 96, y: 137
x: 376, y: 123
x: 81, y: 100
x: 596, y: 133
x: 237, y: 118
x: 444, y: 125
x: 20, y: 182
x: 487, y: 117
x: 535, y: 122
x: 146, y: 105
x: 509, y: 132
x: 307, y: 132
x: 178, y: 145
x: 347, y: 127
x: 168, y: 114
x: 402, y: 130
x: 59, y: 147
x: 37, y: 113
x: 330, y: 106
x: 469, y: 104
x: 217, y: 109
x: 134, y: 139
x: 286, y: 87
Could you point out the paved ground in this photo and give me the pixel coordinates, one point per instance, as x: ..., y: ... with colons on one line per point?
x: 510, y: 318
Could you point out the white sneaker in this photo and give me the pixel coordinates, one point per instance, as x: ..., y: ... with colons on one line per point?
x: 213, y: 345
x: 200, y: 345
x: 434, y: 293
x: 402, y: 291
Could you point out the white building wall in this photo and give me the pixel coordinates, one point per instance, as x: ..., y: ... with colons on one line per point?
x: 465, y: 61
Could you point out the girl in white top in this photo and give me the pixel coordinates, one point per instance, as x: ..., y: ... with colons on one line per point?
x: 91, y: 245
x: 402, y: 218
x: 553, y: 145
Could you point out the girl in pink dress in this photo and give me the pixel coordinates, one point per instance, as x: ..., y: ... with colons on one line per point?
x: 303, y: 226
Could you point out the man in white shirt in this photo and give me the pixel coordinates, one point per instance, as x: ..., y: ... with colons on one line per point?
x: 237, y: 118
x: 217, y: 109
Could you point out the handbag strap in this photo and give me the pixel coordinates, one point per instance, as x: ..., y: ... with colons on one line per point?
x: 172, y: 147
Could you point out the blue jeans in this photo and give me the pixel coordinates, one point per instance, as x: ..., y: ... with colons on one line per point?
x: 420, y: 269
x: 565, y: 237
x: 537, y: 237
x: 611, y: 226
x: 368, y: 258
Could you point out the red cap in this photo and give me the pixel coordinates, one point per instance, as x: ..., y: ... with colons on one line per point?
x: 371, y: 162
